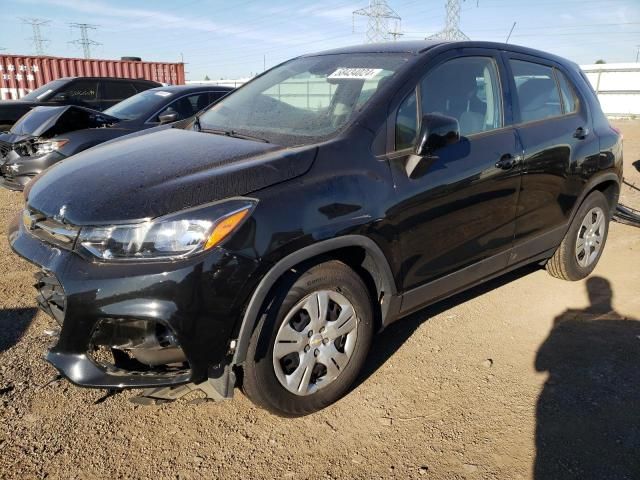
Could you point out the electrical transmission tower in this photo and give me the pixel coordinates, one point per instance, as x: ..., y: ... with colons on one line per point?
x: 380, y: 16
x: 36, y: 39
x: 84, y: 39
x: 451, y: 29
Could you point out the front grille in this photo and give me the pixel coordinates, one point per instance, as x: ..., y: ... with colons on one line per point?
x: 51, y: 298
x: 49, y: 229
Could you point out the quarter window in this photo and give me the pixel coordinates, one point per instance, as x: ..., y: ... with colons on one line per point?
x: 407, y: 122
x: 569, y: 99
x: 466, y: 89
x: 537, y: 91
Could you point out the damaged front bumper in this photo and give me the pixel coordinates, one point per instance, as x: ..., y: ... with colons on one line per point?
x: 138, y: 325
x: 16, y: 170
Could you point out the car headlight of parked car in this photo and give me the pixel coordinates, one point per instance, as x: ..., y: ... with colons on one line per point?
x: 45, y: 147
x: 170, y: 237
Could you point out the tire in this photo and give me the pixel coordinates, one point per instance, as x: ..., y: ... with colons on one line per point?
x: 271, y: 380
x: 573, y: 261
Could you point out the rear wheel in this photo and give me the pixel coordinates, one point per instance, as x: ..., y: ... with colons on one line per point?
x: 311, y: 341
x: 582, y: 246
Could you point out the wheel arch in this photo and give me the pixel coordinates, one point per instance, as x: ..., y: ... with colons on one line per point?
x: 608, y: 184
x: 357, y: 251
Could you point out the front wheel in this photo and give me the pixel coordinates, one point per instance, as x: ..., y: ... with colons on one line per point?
x: 311, y: 341
x: 582, y: 246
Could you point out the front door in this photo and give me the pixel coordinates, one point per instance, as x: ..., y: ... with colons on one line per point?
x: 460, y: 210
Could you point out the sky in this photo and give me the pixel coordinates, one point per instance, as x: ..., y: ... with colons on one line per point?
x: 238, y: 38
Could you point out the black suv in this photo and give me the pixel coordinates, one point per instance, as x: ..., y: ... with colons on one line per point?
x: 97, y: 93
x: 266, y: 241
x: 47, y: 135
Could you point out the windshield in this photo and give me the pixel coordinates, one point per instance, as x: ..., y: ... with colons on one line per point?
x: 141, y: 105
x: 44, y: 92
x: 305, y: 99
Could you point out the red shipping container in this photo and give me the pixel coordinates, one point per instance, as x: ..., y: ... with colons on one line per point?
x: 20, y: 74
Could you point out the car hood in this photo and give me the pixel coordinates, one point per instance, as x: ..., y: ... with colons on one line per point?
x: 50, y: 121
x: 163, y: 172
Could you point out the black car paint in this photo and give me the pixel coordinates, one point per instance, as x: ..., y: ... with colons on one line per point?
x: 17, y: 171
x: 12, y: 110
x: 347, y: 197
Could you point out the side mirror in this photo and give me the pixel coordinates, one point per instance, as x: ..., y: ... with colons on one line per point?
x: 167, y: 117
x: 436, y: 132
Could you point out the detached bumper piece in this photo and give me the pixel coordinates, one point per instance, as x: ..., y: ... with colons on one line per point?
x: 83, y: 371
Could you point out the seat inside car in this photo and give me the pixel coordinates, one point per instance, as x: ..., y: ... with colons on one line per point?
x: 453, y: 91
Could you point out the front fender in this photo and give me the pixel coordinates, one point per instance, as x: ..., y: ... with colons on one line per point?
x: 254, y: 307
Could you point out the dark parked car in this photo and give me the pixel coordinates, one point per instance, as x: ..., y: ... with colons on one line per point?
x: 97, y: 93
x: 46, y: 135
x: 266, y: 242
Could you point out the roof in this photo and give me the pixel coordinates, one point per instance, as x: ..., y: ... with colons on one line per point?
x: 417, y: 47
x: 414, y: 46
x: 192, y: 88
x: 109, y: 78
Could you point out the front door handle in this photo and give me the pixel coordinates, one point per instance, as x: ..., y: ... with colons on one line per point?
x: 507, y: 161
x: 581, y: 133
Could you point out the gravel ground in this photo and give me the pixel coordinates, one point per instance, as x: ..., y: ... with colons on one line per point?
x: 525, y: 377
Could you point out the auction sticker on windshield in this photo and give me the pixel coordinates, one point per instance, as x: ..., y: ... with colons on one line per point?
x: 355, y: 73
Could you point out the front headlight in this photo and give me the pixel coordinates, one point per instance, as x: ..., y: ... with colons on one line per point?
x: 173, y: 236
x: 43, y: 148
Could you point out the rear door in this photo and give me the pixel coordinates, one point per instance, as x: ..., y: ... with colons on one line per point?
x: 555, y: 129
x: 461, y: 210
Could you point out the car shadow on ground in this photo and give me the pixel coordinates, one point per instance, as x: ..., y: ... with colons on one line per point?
x: 14, y: 322
x: 636, y: 164
x: 588, y: 414
x: 393, y: 337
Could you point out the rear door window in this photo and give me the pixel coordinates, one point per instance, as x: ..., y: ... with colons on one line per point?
x: 142, y: 86
x: 117, y: 90
x: 537, y: 91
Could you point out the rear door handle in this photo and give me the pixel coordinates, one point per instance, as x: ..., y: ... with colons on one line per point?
x: 507, y: 161
x: 581, y: 133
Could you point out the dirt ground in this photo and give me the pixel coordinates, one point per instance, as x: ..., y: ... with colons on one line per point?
x: 525, y: 377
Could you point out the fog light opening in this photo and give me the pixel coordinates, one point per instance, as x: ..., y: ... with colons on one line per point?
x: 138, y: 346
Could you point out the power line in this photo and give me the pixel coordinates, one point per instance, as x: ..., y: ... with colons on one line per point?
x: 379, y: 15
x: 36, y: 39
x: 84, y: 39
x: 451, y: 30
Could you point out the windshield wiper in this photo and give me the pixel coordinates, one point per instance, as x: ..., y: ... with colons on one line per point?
x: 232, y: 133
